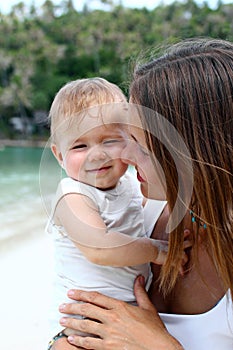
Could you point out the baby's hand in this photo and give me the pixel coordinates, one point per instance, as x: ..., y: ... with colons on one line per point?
x: 161, y: 250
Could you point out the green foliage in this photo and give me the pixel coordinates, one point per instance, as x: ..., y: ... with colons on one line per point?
x: 43, y: 48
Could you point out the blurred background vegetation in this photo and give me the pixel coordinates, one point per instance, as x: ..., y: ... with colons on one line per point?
x: 43, y: 48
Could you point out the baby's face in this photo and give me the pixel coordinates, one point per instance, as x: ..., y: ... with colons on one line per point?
x: 94, y: 158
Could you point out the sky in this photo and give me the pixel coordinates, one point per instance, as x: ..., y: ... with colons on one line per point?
x: 5, y: 6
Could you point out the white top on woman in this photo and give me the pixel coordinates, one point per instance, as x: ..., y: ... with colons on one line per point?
x: 211, y: 330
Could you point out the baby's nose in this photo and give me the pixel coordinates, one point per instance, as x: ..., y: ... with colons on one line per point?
x: 97, y: 153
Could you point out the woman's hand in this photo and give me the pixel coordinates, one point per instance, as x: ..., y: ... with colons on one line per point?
x: 63, y: 344
x: 118, y: 325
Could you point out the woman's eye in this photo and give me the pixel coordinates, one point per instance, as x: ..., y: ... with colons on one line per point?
x: 111, y: 141
x: 144, y: 151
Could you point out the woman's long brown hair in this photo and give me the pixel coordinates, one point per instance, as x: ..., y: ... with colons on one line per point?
x: 191, y: 85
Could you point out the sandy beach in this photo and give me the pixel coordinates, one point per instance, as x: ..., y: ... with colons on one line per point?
x: 26, y: 269
x: 26, y: 254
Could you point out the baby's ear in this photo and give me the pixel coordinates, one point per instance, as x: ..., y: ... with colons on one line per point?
x: 57, y: 154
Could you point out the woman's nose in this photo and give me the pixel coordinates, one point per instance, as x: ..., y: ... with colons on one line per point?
x: 128, y: 155
x: 96, y: 153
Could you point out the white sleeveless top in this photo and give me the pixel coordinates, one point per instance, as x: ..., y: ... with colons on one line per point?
x: 212, y: 330
x: 121, y: 210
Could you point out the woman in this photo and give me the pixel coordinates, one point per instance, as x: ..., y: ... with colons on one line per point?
x: 191, y: 87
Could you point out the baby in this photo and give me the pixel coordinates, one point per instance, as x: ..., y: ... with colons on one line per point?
x: 97, y: 218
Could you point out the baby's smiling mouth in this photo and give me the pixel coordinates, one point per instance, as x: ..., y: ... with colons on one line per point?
x: 99, y: 170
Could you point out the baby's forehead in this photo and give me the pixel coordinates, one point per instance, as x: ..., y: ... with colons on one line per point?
x: 103, y: 131
x: 109, y: 114
x: 92, y: 120
x: 117, y: 115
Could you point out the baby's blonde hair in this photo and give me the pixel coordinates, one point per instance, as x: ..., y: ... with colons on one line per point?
x: 79, y: 95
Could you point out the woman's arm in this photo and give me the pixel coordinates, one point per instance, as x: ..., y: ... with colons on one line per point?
x: 85, y: 227
x: 117, y: 324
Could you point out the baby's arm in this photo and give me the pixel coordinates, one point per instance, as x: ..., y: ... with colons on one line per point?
x: 85, y: 227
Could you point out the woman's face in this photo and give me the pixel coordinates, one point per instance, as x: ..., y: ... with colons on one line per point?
x: 137, y: 154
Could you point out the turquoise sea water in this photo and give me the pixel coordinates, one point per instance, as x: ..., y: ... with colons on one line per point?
x: 28, y: 177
